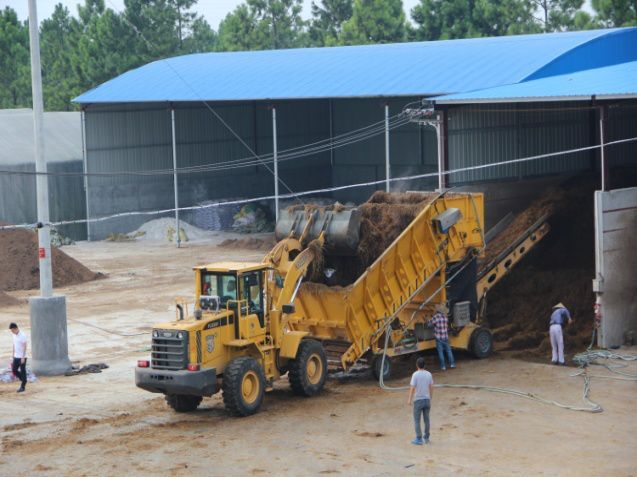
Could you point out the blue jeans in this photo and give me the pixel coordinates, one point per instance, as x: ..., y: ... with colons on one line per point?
x: 443, y: 346
x: 421, y: 407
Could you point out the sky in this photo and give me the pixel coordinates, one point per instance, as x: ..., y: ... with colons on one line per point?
x: 213, y: 10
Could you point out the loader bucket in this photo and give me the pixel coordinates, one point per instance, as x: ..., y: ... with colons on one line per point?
x: 341, y: 228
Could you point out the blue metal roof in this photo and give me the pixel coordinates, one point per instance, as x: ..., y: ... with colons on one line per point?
x: 610, y: 82
x: 400, y: 69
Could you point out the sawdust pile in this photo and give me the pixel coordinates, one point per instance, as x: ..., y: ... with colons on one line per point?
x: 545, y: 206
x: 249, y: 243
x: 383, y: 218
x: 558, y: 269
x: 7, y: 300
x: 19, y: 267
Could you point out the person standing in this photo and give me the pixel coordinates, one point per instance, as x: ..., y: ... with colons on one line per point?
x: 19, y: 364
x: 560, y: 317
x: 420, y: 392
x: 440, y: 324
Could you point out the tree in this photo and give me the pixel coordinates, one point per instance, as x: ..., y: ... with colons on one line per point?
x: 58, y: 39
x: 558, y: 15
x: 15, y: 70
x: 616, y: 13
x: 202, y: 37
x: 327, y: 21
x: 504, y: 17
x: 374, y: 21
x: 263, y: 25
x: 106, y: 46
x: 448, y: 19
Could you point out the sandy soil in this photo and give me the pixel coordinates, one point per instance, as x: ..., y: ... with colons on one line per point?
x: 100, y: 424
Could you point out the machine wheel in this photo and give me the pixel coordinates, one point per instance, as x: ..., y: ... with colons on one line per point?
x: 481, y: 344
x: 243, y: 386
x: 377, y: 361
x: 183, y: 402
x: 308, y: 371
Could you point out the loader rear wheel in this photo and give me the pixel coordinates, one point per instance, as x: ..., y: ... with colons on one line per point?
x: 481, y: 344
x: 308, y: 371
x: 183, y: 402
x: 377, y: 361
x: 243, y: 386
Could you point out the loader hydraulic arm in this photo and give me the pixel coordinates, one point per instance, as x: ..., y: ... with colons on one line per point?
x: 297, y: 271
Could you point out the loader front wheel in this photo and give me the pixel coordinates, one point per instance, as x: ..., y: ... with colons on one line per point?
x: 308, y: 371
x: 183, y: 402
x: 243, y: 386
x: 481, y: 344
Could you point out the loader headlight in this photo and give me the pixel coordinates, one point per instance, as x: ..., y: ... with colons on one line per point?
x: 180, y: 335
x: 155, y: 334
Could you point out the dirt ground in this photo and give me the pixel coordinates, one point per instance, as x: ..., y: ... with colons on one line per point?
x: 101, y: 424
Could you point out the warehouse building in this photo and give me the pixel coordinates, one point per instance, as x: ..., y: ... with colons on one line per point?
x: 63, y: 139
x: 220, y: 114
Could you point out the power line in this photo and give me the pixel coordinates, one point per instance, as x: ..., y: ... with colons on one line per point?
x: 229, y: 165
x: 329, y: 189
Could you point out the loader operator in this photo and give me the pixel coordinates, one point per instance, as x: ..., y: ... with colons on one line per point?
x: 559, y: 318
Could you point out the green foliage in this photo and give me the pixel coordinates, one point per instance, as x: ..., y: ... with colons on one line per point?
x: 449, y: 19
x: 559, y: 15
x: 616, y: 13
x: 15, y: 70
x: 79, y: 53
x: 374, y: 21
x: 263, y: 25
x: 58, y: 36
x: 327, y: 21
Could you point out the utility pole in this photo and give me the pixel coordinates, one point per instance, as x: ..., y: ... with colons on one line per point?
x: 47, y: 312
x: 427, y: 116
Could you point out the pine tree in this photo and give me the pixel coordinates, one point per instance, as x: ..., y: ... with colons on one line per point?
x: 375, y: 21
x: 15, y: 69
x: 263, y: 25
x: 327, y: 21
x: 616, y: 13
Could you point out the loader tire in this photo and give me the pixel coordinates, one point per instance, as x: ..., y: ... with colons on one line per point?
x: 243, y: 386
x: 481, y: 343
x: 183, y: 402
x: 308, y: 371
x: 376, y: 364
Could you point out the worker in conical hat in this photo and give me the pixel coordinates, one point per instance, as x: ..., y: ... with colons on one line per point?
x: 560, y: 317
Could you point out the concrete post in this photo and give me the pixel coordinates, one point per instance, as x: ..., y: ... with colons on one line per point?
x: 49, y: 342
x: 387, y: 164
x: 276, y: 164
x: 42, y: 185
x: 175, y: 181
x: 50, y: 354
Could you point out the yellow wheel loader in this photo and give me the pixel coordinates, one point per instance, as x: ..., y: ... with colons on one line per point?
x: 254, y: 322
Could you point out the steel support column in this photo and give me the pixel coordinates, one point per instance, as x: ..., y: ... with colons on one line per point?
x: 85, y: 167
x: 175, y: 179
x: 387, y: 164
x: 276, y: 164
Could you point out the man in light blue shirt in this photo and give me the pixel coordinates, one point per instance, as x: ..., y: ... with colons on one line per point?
x: 420, y: 392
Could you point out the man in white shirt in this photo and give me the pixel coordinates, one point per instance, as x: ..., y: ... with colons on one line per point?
x: 421, y: 390
x: 19, y: 355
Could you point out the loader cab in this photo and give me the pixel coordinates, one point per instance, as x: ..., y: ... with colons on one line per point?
x: 223, y: 285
